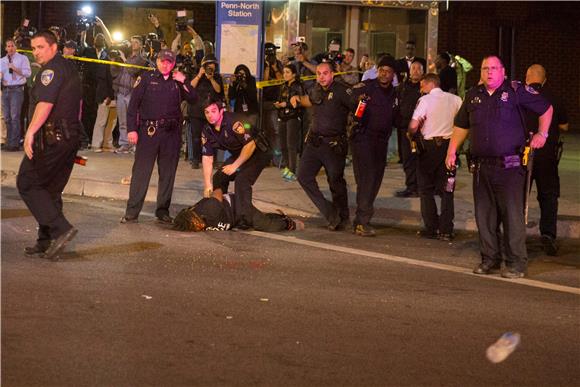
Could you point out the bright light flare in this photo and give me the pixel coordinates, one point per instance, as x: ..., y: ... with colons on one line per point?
x: 117, y: 36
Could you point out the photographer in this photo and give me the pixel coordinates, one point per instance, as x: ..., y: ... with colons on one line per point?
x: 207, y: 83
x: 289, y: 120
x: 272, y: 71
x: 123, y: 80
x: 243, y: 91
x: 195, y: 43
x: 352, y: 77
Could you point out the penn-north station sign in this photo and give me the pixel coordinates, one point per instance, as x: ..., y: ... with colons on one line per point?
x: 239, y: 9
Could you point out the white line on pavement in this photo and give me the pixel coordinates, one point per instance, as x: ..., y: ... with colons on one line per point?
x: 372, y: 254
x: 415, y: 262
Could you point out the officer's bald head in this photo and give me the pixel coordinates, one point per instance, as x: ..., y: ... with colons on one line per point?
x: 536, y: 74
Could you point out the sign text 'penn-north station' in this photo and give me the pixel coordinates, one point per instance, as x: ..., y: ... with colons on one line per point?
x: 239, y: 9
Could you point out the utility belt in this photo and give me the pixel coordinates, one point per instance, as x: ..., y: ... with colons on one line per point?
x: 152, y: 126
x: 338, y: 144
x: 13, y: 87
x: 53, y: 132
x: 504, y: 162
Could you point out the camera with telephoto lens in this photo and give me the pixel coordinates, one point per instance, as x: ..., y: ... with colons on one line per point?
x: 182, y: 21
x: 334, y: 55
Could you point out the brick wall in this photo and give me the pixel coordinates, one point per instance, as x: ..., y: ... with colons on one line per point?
x: 546, y: 33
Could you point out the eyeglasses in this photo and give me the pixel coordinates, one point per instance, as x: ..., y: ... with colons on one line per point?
x: 492, y: 68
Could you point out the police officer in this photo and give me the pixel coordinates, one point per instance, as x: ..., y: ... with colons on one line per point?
x: 408, y: 93
x: 490, y: 114
x: 327, y: 145
x: 153, y: 123
x: 545, y: 167
x: 433, y: 117
x: 249, y: 156
x: 50, y: 144
x: 370, y: 140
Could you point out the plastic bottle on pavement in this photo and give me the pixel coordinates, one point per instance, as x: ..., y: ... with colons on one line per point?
x: 501, y: 349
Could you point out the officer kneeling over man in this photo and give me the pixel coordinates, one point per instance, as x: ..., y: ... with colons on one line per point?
x: 153, y: 123
x: 249, y: 155
x: 219, y: 213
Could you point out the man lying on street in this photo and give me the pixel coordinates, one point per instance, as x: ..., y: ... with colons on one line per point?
x: 220, y: 213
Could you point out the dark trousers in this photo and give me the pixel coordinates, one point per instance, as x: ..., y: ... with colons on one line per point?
x: 289, y: 132
x: 267, y: 222
x: 545, y: 174
x: 499, y: 199
x: 40, y: 183
x: 369, y: 156
x: 244, y: 179
x: 196, y: 124
x: 163, y: 146
x: 314, y: 158
x: 431, y: 179
x: 409, y: 162
x: 400, y: 136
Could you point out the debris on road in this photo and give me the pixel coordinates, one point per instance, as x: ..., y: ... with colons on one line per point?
x: 145, y: 296
x: 501, y: 349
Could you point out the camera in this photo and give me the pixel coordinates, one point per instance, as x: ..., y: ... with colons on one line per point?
x: 182, y: 22
x: 84, y: 21
x: 185, y: 65
x: 334, y: 54
x: 209, y: 70
x: 152, y: 44
x: 270, y: 53
x: 124, y: 47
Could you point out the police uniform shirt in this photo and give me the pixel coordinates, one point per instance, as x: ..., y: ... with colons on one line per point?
x: 331, y: 108
x: 494, y: 121
x: 436, y: 111
x: 227, y: 138
x: 155, y: 98
x: 379, y: 113
x: 408, y: 93
x: 58, y: 83
x: 560, y: 116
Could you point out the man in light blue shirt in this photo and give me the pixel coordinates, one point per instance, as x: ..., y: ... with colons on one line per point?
x: 15, y: 68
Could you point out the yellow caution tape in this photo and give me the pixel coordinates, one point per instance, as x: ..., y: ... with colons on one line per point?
x: 92, y: 60
x: 276, y: 82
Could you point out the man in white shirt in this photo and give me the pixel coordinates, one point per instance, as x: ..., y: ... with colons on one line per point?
x: 15, y: 68
x: 433, y: 117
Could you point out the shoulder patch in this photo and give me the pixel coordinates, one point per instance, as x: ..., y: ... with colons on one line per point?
x: 137, y: 81
x: 531, y: 90
x: 239, y: 128
x: 46, y: 77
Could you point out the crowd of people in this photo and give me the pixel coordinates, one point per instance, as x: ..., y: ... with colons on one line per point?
x: 346, y: 112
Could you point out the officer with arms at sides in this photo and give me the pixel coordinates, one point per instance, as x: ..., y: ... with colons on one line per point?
x: 51, y: 143
x: 370, y: 140
x: 249, y: 156
x: 490, y: 115
x: 546, y: 159
x: 433, y: 117
x: 327, y: 145
x: 408, y: 93
x: 153, y: 124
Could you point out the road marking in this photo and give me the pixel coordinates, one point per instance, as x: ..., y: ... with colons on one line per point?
x: 415, y: 262
x: 372, y: 254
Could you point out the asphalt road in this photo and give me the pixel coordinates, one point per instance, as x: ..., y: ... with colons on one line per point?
x: 137, y: 305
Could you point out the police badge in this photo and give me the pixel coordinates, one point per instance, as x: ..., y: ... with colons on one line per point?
x: 46, y: 77
x: 504, y: 96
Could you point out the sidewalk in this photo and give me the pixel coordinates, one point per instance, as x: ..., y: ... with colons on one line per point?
x: 104, y: 172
